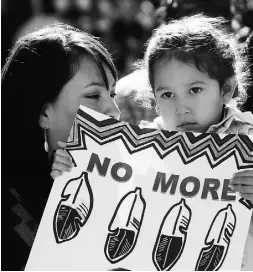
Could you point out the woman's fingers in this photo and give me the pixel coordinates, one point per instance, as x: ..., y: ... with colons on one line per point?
x: 64, y: 160
x: 61, y: 167
x: 62, y: 153
x: 61, y: 145
x: 56, y: 173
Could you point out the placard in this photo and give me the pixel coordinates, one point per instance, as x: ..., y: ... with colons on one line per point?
x: 143, y: 199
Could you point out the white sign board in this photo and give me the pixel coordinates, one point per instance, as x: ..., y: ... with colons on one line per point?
x: 142, y: 199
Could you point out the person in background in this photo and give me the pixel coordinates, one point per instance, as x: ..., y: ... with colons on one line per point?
x: 48, y: 74
x: 11, y: 19
x: 128, y: 33
x: 194, y: 70
x: 132, y: 111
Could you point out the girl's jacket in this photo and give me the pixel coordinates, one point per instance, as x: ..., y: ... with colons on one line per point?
x: 233, y: 122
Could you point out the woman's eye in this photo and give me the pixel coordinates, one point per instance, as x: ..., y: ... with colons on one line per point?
x: 167, y: 95
x: 195, y: 90
x: 93, y: 96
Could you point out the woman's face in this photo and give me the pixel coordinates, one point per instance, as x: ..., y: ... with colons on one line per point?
x: 85, y: 88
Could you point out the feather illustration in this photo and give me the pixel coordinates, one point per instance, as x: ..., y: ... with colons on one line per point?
x: 125, y: 226
x: 172, y: 236
x: 74, y: 208
x: 217, y: 240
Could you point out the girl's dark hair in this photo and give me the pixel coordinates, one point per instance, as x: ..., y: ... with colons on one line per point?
x: 202, y: 41
x: 39, y: 65
x: 247, y: 51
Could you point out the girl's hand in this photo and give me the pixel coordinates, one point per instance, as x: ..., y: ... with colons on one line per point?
x: 61, y: 161
x: 242, y: 182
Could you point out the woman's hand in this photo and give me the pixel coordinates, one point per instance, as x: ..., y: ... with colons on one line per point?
x: 61, y: 161
x: 242, y: 182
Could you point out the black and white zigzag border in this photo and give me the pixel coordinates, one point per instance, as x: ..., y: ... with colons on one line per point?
x: 216, y: 148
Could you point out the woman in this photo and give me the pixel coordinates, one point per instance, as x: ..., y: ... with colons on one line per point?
x: 48, y: 74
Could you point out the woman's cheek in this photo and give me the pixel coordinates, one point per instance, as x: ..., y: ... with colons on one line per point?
x: 91, y: 103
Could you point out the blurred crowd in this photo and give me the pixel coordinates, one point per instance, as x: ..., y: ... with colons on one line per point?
x: 125, y: 26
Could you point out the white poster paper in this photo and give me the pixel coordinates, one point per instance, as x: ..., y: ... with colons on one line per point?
x: 143, y: 199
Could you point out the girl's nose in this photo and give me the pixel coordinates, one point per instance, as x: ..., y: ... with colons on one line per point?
x: 182, y: 109
x: 111, y: 109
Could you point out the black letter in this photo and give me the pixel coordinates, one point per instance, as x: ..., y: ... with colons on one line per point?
x: 94, y: 160
x: 128, y: 173
x: 225, y: 190
x: 160, y: 179
x: 183, y: 185
x: 210, y: 185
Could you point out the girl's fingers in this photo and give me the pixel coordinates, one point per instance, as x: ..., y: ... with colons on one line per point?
x: 56, y: 173
x: 243, y: 189
x: 242, y: 181
x: 247, y: 173
x: 221, y: 130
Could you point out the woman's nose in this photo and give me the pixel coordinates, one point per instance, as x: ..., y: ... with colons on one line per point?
x: 111, y: 109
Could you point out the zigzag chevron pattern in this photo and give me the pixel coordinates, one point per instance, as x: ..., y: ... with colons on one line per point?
x: 189, y: 146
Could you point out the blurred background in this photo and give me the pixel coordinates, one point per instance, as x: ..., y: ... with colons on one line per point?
x: 125, y: 26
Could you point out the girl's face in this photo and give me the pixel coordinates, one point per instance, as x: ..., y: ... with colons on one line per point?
x: 188, y: 99
x: 85, y: 88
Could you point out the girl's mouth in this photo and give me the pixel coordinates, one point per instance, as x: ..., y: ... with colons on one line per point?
x: 187, y: 126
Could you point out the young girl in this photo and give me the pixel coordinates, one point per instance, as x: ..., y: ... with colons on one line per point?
x: 196, y: 74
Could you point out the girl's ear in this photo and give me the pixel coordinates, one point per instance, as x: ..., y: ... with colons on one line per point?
x: 228, y: 90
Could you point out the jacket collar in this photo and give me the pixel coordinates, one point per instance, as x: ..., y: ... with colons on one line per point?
x: 231, y: 114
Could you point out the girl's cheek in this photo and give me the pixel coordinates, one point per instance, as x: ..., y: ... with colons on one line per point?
x: 162, y: 102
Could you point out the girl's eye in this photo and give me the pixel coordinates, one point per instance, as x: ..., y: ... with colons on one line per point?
x: 113, y: 95
x: 167, y: 95
x: 195, y: 90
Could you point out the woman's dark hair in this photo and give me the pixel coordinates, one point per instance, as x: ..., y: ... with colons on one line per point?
x: 202, y: 41
x: 39, y: 65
